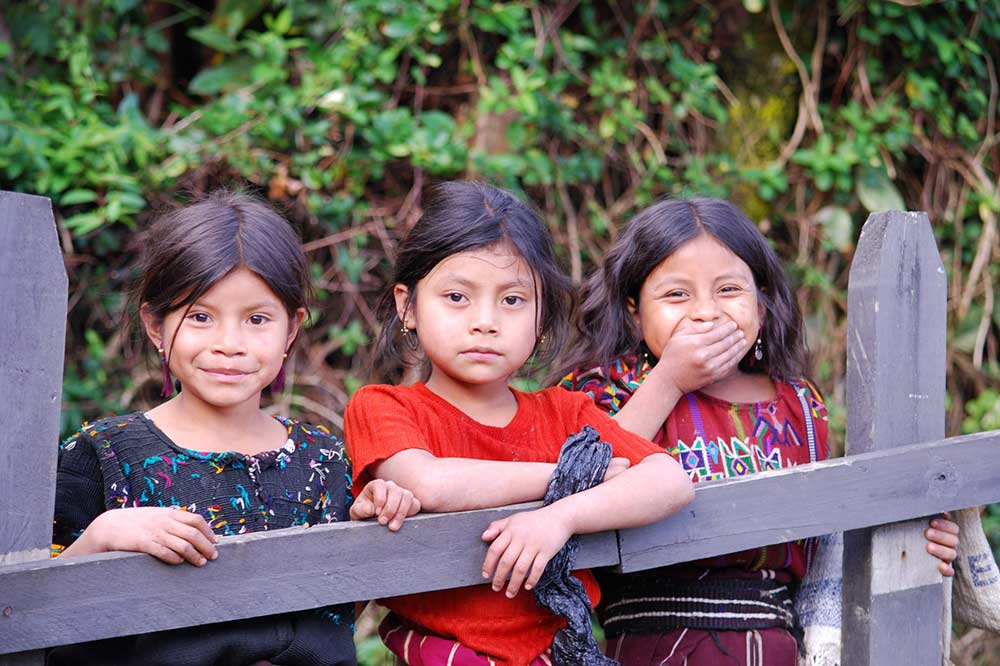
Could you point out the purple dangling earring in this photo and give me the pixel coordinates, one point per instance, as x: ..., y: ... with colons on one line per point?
x: 168, y: 384
x: 278, y: 385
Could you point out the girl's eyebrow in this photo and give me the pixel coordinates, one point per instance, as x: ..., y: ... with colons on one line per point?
x: 672, y: 278
x: 466, y: 282
x: 731, y: 276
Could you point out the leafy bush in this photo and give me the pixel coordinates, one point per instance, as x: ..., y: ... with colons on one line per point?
x: 808, y: 115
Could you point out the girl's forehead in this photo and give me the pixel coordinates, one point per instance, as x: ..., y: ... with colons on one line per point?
x: 239, y: 287
x: 500, y: 262
x: 703, y: 256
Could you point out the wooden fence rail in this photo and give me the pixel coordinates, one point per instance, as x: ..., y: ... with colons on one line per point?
x: 900, y: 468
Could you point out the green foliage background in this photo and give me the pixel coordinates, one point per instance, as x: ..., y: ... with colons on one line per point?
x: 807, y: 114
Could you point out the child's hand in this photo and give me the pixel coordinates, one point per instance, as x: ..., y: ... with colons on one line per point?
x: 386, y: 500
x: 942, y: 540
x: 522, y: 545
x: 168, y: 534
x: 616, y: 467
x: 700, y: 353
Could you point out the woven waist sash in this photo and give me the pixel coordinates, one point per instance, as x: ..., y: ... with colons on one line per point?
x: 730, y: 604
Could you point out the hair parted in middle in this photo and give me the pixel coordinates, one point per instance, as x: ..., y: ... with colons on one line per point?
x: 187, y: 251
x: 607, y: 328
x: 463, y: 216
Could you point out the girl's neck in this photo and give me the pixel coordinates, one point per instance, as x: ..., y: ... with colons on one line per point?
x: 490, y: 404
x: 193, y: 424
x: 742, y: 386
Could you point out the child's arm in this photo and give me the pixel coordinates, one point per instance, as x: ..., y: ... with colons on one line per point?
x: 525, y: 542
x: 484, y: 483
x: 696, y: 355
x: 169, y: 534
x: 84, y: 526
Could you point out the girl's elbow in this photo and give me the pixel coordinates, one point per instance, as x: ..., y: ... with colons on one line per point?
x: 685, y: 491
x: 678, y: 485
x: 431, y: 493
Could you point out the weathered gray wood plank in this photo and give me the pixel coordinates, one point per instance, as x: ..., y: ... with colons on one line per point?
x: 71, y: 600
x: 810, y: 500
x: 897, y: 297
x: 33, y: 293
x: 76, y: 599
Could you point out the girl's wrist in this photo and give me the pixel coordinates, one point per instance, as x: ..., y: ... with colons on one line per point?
x: 561, y: 512
x: 662, y: 378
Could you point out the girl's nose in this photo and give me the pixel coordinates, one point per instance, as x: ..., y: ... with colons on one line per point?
x: 704, y: 309
x: 484, y: 321
x: 229, y: 339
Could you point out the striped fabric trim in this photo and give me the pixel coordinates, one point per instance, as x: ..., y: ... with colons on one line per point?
x: 781, y: 617
x: 807, y: 417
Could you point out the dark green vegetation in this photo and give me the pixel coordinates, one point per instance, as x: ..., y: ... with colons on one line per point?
x: 809, y: 115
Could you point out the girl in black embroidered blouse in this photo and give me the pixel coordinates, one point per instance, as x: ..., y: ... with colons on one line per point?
x: 222, y: 297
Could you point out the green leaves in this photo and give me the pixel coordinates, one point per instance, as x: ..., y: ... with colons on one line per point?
x: 876, y: 192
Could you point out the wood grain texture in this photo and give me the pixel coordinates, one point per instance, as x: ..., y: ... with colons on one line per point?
x: 63, y: 601
x: 897, y: 313
x: 33, y: 294
x: 76, y: 599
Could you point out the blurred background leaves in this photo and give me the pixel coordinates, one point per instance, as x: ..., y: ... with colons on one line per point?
x: 808, y: 115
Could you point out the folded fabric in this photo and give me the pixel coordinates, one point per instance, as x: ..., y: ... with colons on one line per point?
x: 819, y: 601
x: 583, y: 461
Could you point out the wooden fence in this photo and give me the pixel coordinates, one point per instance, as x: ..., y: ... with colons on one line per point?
x: 899, y: 467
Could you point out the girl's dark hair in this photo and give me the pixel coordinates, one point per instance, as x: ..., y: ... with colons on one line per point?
x: 185, y: 252
x: 605, y: 325
x: 463, y: 216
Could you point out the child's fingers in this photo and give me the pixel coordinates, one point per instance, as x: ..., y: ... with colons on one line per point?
x: 402, y: 509
x: 720, y: 333
x: 494, y: 529
x: 195, y: 538
x: 160, y: 552
x: 182, y: 548
x: 522, y: 567
x: 944, y: 553
x: 393, y: 496
x: 500, y: 541
x: 379, y: 493
x: 945, y: 524
x: 506, y: 564
x: 414, y: 508
x: 537, y: 569
x: 199, y: 523
x: 946, y: 569
x: 938, y: 536
x: 362, y: 508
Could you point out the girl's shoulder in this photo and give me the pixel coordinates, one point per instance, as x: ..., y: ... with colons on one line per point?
x: 107, y: 430
x: 373, y: 400
x: 302, y: 435
x: 609, y: 385
x: 804, y: 391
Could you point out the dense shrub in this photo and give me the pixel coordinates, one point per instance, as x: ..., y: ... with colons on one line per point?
x: 809, y: 115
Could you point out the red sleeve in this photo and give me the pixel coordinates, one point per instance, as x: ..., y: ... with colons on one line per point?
x: 378, y: 424
x: 624, y: 444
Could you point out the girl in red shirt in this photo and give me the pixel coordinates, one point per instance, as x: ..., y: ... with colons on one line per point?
x: 477, y: 292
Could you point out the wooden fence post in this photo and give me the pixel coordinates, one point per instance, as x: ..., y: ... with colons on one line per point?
x: 893, y: 595
x: 33, y: 292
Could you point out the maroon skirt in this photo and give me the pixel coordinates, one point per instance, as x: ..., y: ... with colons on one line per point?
x: 698, y: 647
